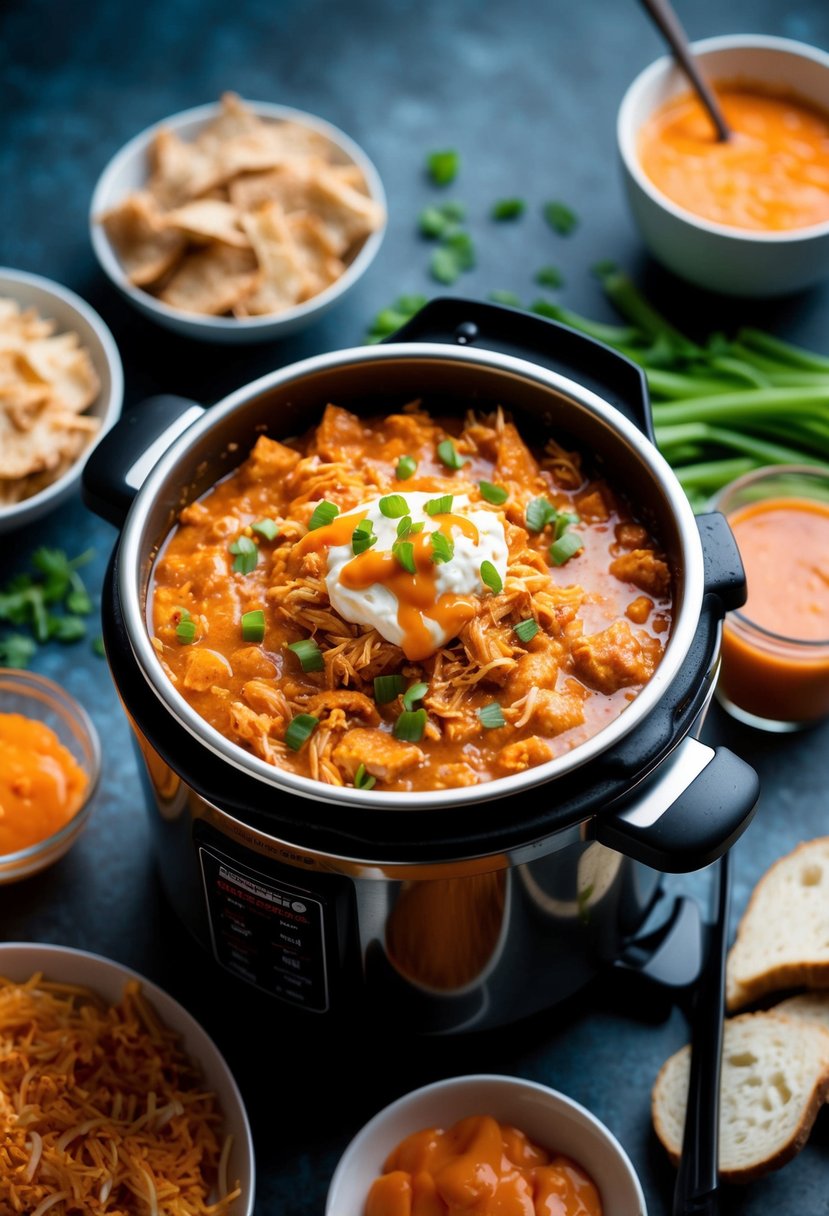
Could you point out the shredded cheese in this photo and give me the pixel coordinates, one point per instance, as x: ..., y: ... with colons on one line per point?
x: 102, y: 1111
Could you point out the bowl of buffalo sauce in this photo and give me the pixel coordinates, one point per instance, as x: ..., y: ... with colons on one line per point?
x: 775, y: 649
x: 749, y: 215
x: 485, y: 1144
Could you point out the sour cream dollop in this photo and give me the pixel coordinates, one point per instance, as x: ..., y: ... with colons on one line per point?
x: 422, y: 610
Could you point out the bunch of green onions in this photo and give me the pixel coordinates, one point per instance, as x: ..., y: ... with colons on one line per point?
x: 721, y: 408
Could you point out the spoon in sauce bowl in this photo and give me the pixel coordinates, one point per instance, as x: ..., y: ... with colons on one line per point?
x: 669, y: 26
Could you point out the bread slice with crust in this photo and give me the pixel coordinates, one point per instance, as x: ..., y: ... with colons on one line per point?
x: 807, y: 1007
x: 783, y: 937
x: 775, y: 1078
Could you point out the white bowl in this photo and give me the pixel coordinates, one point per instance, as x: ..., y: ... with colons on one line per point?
x: 20, y: 960
x: 57, y: 303
x: 547, y: 1117
x: 128, y: 171
x: 717, y: 256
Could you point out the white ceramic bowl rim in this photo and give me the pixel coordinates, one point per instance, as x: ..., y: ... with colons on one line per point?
x: 627, y: 134
x: 116, y: 372
x: 202, y: 114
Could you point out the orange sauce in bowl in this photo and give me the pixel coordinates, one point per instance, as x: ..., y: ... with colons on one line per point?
x: 780, y: 671
x: 771, y: 176
x: 41, y: 784
x: 483, y: 1167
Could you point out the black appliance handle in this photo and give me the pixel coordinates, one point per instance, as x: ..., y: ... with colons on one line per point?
x: 686, y: 813
x: 510, y: 331
x: 119, y: 464
x: 725, y: 577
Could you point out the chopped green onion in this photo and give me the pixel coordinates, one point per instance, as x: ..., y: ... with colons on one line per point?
x: 253, y: 625
x: 407, y: 528
x: 247, y: 555
x: 389, y: 320
x: 393, y: 506
x: 410, y: 725
x: 461, y: 246
x: 491, y: 493
x: 444, y: 266
x: 492, y: 578
x: 386, y: 688
x: 565, y: 547
x: 98, y: 647
x: 448, y: 455
x: 300, y: 730
x: 563, y: 521
x: 325, y: 513
x: 363, y: 780
x: 266, y: 527
x: 70, y: 628
x: 490, y: 716
x: 453, y: 209
x: 540, y: 512
x: 508, y: 209
x: 443, y: 549
x: 186, y: 631
x: 415, y: 693
x: 406, y: 468
x: 526, y: 630
x: 78, y: 602
x: 403, y: 551
x: 560, y: 218
x: 432, y: 223
x: 309, y: 654
x: 442, y: 166
x: 363, y: 537
x: 509, y: 298
x: 439, y: 506
x: 549, y: 276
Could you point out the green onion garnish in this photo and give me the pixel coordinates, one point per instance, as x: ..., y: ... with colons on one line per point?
x: 565, y: 547
x: 393, y: 506
x: 309, y: 654
x: 439, y: 506
x: 540, y: 512
x: 415, y: 693
x: 508, y: 209
x: 444, y: 266
x: 186, y: 628
x: 266, y: 527
x: 325, y: 513
x: 253, y: 625
x: 443, y: 549
x: 549, y: 276
x: 563, y: 521
x: 406, y: 468
x: 560, y: 218
x: 386, y: 688
x: 443, y: 166
x: 363, y: 780
x: 491, y: 577
x: 448, y: 455
x: 407, y: 528
x: 526, y: 630
x: 491, y: 493
x: 509, y: 298
x: 410, y: 725
x: 403, y: 550
x: 363, y: 537
x: 490, y: 716
x: 300, y: 730
x: 246, y: 555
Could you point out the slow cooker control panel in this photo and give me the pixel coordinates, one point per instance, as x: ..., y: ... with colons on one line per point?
x: 267, y: 932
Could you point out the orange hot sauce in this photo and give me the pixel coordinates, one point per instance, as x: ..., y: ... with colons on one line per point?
x: 41, y: 783
x: 483, y: 1167
x: 781, y: 670
x: 771, y: 176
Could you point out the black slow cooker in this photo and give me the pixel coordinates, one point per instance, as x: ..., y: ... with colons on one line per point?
x: 456, y: 908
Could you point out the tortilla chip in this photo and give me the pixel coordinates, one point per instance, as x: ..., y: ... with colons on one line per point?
x: 180, y: 171
x: 284, y: 278
x: 146, y: 250
x: 312, y: 242
x: 208, y: 219
x: 213, y: 280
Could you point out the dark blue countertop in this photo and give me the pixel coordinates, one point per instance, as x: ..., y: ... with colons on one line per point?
x: 527, y: 92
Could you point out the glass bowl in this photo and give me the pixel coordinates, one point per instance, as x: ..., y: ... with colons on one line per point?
x: 39, y: 698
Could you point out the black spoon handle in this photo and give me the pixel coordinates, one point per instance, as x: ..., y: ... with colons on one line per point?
x: 697, y: 1182
x: 668, y: 23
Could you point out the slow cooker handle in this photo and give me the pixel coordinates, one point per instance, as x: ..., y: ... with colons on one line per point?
x: 523, y: 335
x: 686, y: 813
x: 119, y: 464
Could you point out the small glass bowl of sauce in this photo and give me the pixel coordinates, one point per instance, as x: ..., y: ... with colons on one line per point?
x: 775, y: 650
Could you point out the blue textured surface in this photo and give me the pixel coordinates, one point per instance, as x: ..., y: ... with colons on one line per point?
x: 528, y: 92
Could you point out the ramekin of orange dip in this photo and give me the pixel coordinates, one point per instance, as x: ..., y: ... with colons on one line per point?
x: 50, y: 762
x: 749, y: 216
x: 775, y: 650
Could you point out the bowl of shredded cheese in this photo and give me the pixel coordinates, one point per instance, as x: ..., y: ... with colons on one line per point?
x: 112, y: 1098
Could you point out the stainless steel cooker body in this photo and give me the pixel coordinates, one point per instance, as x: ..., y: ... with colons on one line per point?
x: 457, y: 908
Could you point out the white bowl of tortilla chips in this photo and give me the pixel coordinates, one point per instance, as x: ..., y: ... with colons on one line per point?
x: 61, y: 389
x: 237, y: 221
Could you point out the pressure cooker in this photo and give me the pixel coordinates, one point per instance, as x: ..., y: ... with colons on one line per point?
x: 446, y: 909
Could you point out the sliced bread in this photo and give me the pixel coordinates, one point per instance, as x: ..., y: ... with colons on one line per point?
x: 783, y: 938
x: 808, y: 1007
x: 775, y: 1078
